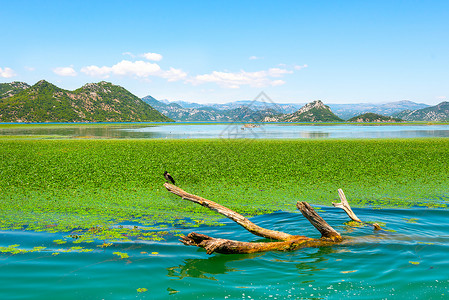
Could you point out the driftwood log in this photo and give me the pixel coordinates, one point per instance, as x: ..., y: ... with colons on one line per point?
x: 283, y: 241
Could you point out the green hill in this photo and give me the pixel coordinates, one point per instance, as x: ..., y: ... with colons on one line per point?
x: 94, y: 102
x: 372, y: 118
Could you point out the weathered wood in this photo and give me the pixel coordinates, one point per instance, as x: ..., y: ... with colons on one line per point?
x: 236, y: 217
x: 286, y: 242
x: 327, y: 232
x: 226, y: 246
x: 344, y: 204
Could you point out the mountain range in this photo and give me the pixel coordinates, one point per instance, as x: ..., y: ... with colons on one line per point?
x: 246, y: 111
x: 94, y: 102
x: 106, y: 102
x: 213, y: 113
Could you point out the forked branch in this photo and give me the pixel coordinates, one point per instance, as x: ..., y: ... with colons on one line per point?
x: 286, y: 241
x: 345, y: 206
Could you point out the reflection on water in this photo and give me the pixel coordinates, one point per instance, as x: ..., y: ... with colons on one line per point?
x: 229, y: 131
x: 75, y: 131
x: 200, y: 268
x: 283, y: 131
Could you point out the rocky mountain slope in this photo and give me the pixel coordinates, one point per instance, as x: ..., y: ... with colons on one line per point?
x: 94, y: 102
x: 12, y: 88
x: 435, y: 113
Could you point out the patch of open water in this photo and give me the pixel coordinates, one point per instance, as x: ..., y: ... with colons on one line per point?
x: 408, y: 262
x: 231, y: 130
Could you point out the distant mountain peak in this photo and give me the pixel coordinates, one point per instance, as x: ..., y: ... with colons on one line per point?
x: 318, y: 104
x: 44, y: 84
x: 314, y: 111
x: 443, y: 105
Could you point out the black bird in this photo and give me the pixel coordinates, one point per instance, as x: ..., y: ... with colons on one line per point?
x: 168, y: 177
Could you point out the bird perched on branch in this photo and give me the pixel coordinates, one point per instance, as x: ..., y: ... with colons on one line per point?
x: 168, y: 177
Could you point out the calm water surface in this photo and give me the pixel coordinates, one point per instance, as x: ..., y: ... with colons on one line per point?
x: 265, y: 131
x: 409, y: 262
x: 288, y: 131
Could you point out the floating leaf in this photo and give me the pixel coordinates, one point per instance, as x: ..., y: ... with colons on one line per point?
x: 411, y: 220
x: 172, y: 291
x: 121, y: 254
x: 142, y: 290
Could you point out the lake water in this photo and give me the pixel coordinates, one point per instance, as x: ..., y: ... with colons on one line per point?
x: 409, y: 262
x: 232, y: 130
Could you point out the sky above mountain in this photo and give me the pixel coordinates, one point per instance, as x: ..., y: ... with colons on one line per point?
x: 221, y: 51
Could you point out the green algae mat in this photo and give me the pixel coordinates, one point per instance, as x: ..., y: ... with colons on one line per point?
x: 90, y: 189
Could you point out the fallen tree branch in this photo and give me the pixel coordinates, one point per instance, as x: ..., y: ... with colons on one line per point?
x: 327, y: 232
x: 226, y: 246
x: 287, y: 242
x: 344, y: 204
x: 236, y: 217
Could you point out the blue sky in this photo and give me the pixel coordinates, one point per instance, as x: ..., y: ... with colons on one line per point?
x: 221, y: 51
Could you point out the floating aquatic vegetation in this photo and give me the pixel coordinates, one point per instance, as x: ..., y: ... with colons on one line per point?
x: 13, y: 249
x: 86, y: 188
x: 411, y: 220
x: 121, y: 255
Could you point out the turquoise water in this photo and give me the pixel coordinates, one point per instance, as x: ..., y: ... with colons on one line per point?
x: 410, y: 261
x: 231, y: 130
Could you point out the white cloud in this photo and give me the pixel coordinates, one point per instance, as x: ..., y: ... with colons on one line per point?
x: 254, y: 57
x: 173, y: 74
x: 65, y: 71
x: 125, y: 68
x: 152, y: 56
x: 7, y: 72
x: 96, y: 71
x: 31, y: 69
x: 277, y: 72
x: 277, y: 82
x: 129, y: 54
x: 138, y: 68
x: 235, y: 80
x: 300, y: 67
